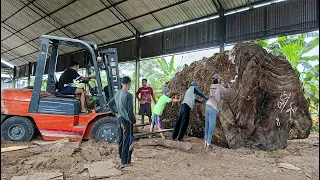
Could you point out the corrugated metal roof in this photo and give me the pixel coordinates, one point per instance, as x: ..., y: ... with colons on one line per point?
x: 38, y: 29
x: 3, y: 49
x: 37, y: 10
x: 52, y: 5
x: 121, y: 31
x: 24, y: 50
x: 9, y: 8
x: 146, y: 23
x: 107, y: 35
x: 92, y: 37
x: 170, y: 16
x: 18, y: 62
x: 8, y: 57
x: 12, y: 42
x: 23, y: 18
x: 196, y: 9
x: 4, y: 33
x: 77, y: 10
x: 102, y: 21
x: 93, y: 23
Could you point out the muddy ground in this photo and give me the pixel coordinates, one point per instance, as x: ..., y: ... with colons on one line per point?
x: 162, y: 163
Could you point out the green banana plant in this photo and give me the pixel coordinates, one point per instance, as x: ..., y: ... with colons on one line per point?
x: 167, y: 68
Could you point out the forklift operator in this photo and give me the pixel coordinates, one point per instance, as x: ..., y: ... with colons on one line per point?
x: 65, y: 85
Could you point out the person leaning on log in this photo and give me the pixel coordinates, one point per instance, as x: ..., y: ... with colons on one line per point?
x: 158, y: 109
x: 212, y: 108
x: 187, y: 105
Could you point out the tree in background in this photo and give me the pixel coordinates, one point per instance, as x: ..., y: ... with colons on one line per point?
x: 295, y: 49
x: 158, y: 71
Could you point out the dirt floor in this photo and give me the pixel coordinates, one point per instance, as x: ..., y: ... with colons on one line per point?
x: 154, y: 162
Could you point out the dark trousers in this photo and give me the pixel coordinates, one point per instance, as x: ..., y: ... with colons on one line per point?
x: 125, y: 130
x: 182, y: 122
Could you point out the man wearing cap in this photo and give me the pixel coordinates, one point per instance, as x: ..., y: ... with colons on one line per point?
x: 122, y: 105
x: 212, y: 108
x: 187, y: 105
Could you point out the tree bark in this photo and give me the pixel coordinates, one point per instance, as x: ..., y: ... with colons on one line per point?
x: 265, y: 107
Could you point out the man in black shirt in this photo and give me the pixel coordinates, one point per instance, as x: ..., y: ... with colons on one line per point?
x: 65, y: 85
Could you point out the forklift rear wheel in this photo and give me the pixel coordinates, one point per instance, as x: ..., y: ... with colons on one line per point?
x: 17, y: 128
x: 105, y: 129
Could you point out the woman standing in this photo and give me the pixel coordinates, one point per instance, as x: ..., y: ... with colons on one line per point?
x: 212, y: 108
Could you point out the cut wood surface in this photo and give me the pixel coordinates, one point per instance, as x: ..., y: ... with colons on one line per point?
x: 265, y: 107
x: 14, y: 148
x: 185, y: 146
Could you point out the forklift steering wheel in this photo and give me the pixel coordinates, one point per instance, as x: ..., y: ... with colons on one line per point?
x: 84, y: 81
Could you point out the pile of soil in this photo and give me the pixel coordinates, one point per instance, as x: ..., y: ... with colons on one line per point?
x: 66, y: 157
x: 265, y: 107
x: 298, y: 161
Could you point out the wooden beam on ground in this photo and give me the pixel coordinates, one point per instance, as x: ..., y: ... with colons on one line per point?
x: 145, y: 124
x: 14, y: 148
x: 150, y: 133
x: 185, y: 146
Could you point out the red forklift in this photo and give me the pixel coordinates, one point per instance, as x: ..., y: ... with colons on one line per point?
x: 56, y: 116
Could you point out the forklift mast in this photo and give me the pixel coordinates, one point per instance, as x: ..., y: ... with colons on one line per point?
x: 108, y: 62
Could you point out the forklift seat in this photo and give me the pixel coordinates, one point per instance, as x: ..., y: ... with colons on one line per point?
x: 54, y: 82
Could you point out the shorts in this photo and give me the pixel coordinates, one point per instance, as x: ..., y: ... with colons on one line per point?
x: 157, y: 121
x: 145, y: 109
x: 69, y: 90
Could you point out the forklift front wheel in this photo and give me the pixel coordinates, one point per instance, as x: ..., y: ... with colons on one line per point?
x: 17, y: 128
x: 105, y: 129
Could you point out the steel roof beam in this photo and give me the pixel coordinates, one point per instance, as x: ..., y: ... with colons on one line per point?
x: 110, y: 25
x: 18, y: 11
x: 128, y: 20
x: 122, y: 16
x: 17, y: 36
x: 47, y: 15
x: 40, y: 18
x: 162, y: 26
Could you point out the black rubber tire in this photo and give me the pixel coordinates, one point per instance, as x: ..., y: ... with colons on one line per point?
x: 23, y: 123
x: 108, y: 122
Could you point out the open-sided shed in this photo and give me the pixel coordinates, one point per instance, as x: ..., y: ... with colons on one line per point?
x: 128, y: 25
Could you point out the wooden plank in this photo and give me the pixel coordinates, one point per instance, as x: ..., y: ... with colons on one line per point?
x: 13, y: 148
x: 41, y: 143
x: 145, y: 124
x: 150, y: 133
x: 165, y: 143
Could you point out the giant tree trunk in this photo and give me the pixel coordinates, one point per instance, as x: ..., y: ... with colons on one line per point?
x: 266, y: 104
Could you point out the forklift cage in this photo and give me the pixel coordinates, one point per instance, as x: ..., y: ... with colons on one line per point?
x: 55, y: 42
